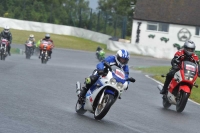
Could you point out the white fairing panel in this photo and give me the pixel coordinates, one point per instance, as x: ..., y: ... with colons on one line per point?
x: 171, y: 98
x: 178, y: 76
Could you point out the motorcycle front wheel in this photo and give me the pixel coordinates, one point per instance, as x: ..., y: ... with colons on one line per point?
x: 182, y: 101
x: 2, y: 55
x: 103, y: 107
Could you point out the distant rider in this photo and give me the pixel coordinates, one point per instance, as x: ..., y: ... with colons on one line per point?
x: 47, y: 38
x: 185, y: 54
x: 97, y: 51
x: 30, y: 38
x: 6, y: 34
x: 120, y: 60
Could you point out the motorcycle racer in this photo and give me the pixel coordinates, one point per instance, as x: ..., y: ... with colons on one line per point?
x: 185, y: 54
x: 7, y: 35
x: 30, y: 38
x: 47, y: 38
x: 120, y: 60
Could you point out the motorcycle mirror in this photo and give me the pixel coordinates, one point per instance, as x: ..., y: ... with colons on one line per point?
x: 163, y: 75
x: 131, y: 79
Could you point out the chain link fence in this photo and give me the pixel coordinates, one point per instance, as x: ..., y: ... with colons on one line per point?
x: 96, y: 20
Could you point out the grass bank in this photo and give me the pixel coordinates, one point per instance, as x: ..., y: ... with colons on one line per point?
x: 155, y: 72
x: 61, y: 41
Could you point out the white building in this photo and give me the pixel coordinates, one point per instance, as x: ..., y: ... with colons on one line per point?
x: 159, y: 24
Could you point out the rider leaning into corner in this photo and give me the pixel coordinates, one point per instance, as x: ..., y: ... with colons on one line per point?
x: 7, y: 35
x: 185, y: 54
x: 48, y: 39
x: 120, y: 60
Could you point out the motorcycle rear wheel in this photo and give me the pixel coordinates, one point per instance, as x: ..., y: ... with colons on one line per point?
x: 103, y: 108
x: 182, y: 101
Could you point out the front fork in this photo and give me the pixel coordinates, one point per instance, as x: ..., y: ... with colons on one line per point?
x: 101, y: 98
x: 46, y: 54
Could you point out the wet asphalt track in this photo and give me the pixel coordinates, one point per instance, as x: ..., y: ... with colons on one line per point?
x: 37, y: 98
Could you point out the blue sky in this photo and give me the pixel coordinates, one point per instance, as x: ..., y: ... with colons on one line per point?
x: 93, y: 4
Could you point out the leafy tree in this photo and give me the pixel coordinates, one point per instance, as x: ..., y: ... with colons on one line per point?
x: 120, y: 7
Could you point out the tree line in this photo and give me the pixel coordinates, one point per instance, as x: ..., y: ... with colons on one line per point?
x: 113, y: 17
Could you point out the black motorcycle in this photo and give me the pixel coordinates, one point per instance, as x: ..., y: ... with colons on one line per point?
x: 29, y: 49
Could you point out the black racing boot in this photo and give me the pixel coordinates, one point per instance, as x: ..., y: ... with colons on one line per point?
x: 82, y: 95
x: 40, y: 54
x: 165, y: 87
x: 8, y: 50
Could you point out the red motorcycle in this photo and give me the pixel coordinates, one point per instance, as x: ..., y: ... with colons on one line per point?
x: 180, y: 87
x: 3, y: 48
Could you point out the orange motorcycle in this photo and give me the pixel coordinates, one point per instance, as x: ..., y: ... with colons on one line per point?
x: 45, y: 47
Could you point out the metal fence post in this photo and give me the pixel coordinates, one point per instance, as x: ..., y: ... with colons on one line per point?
x: 80, y: 17
x: 105, y: 22
x: 97, y: 28
x: 124, y: 25
x: 90, y: 21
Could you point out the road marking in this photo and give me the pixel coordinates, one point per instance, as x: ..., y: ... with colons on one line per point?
x: 162, y: 84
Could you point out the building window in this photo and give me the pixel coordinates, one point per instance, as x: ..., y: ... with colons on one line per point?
x: 163, y: 27
x: 197, y: 31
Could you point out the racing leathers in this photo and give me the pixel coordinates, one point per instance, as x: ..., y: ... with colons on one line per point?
x: 7, y: 36
x: 49, y: 52
x: 176, y: 62
x: 28, y: 39
x: 100, y: 70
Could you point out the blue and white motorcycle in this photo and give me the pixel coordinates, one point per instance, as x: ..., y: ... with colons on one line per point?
x: 104, y: 93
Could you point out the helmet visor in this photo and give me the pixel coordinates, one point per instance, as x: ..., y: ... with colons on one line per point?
x: 190, y: 49
x: 123, y: 60
x: 6, y: 30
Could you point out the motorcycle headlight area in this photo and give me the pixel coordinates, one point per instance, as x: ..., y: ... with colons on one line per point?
x: 119, y: 86
x: 113, y: 81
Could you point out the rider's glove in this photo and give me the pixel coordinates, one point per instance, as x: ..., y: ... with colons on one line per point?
x: 100, y: 72
x: 133, y: 80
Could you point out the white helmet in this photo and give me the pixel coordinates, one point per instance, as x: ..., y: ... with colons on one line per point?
x: 31, y: 36
x: 122, y: 57
x: 6, y: 29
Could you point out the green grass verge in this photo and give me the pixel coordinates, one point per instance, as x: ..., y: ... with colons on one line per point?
x: 61, y: 41
x: 155, y: 72
x: 15, y: 51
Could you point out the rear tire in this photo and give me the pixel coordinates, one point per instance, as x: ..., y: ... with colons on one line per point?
x: 181, y: 103
x: 107, y: 102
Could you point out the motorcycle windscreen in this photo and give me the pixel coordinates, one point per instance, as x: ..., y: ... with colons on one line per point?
x: 119, y: 75
x: 189, y: 70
